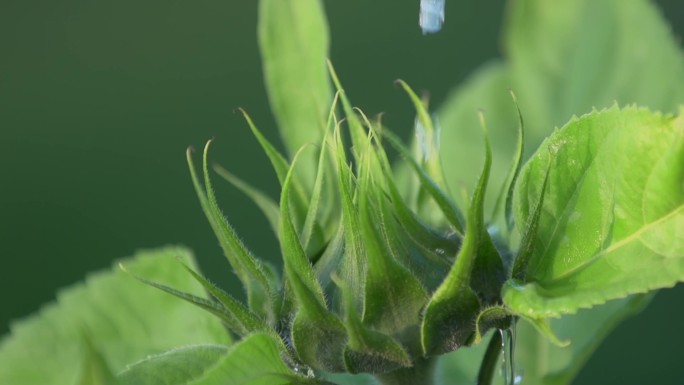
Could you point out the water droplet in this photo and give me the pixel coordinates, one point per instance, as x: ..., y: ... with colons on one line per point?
x: 431, y: 15
x: 428, y: 140
x: 508, y: 357
x: 422, y: 140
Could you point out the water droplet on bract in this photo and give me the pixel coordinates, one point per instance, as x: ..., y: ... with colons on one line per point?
x: 431, y: 15
x: 517, y: 380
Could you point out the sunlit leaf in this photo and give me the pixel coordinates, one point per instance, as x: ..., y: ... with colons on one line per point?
x: 179, y: 366
x: 570, y: 56
x: 293, y: 39
x: 125, y: 320
x: 585, y: 331
x: 612, y: 222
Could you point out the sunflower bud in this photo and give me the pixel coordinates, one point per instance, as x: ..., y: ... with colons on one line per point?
x: 370, y: 284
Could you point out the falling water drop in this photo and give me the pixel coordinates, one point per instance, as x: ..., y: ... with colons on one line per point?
x: 431, y: 15
x: 508, y: 356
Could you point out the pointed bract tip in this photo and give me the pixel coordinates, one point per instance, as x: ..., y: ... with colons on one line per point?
x: 515, y: 98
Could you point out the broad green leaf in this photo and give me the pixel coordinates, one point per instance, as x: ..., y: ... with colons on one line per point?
x: 539, y: 361
x: 545, y: 363
x: 95, y: 370
x: 125, y: 320
x: 529, y: 236
x: 612, y: 221
x: 258, y: 359
x: 563, y: 58
x: 570, y: 56
x: 293, y: 38
x: 179, y: 366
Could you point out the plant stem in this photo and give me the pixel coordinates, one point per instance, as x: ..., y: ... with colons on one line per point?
x: 421, y: 373
x: 490, y: 360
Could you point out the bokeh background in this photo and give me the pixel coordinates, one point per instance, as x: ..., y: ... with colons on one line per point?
x: 99, y: 100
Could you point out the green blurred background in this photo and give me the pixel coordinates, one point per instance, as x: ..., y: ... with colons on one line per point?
x: 98, y: 101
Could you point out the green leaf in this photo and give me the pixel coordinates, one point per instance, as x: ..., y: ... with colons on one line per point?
x: 563, y: 58
x: 570, y: 56
x: 529, y: 236
x: 293, y: 38
x: 612, y: 222
x: 256, y: 360
x: 176, y: 367
x: 125, y: 320
x: 95, y: 370
x: 546, y: 363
